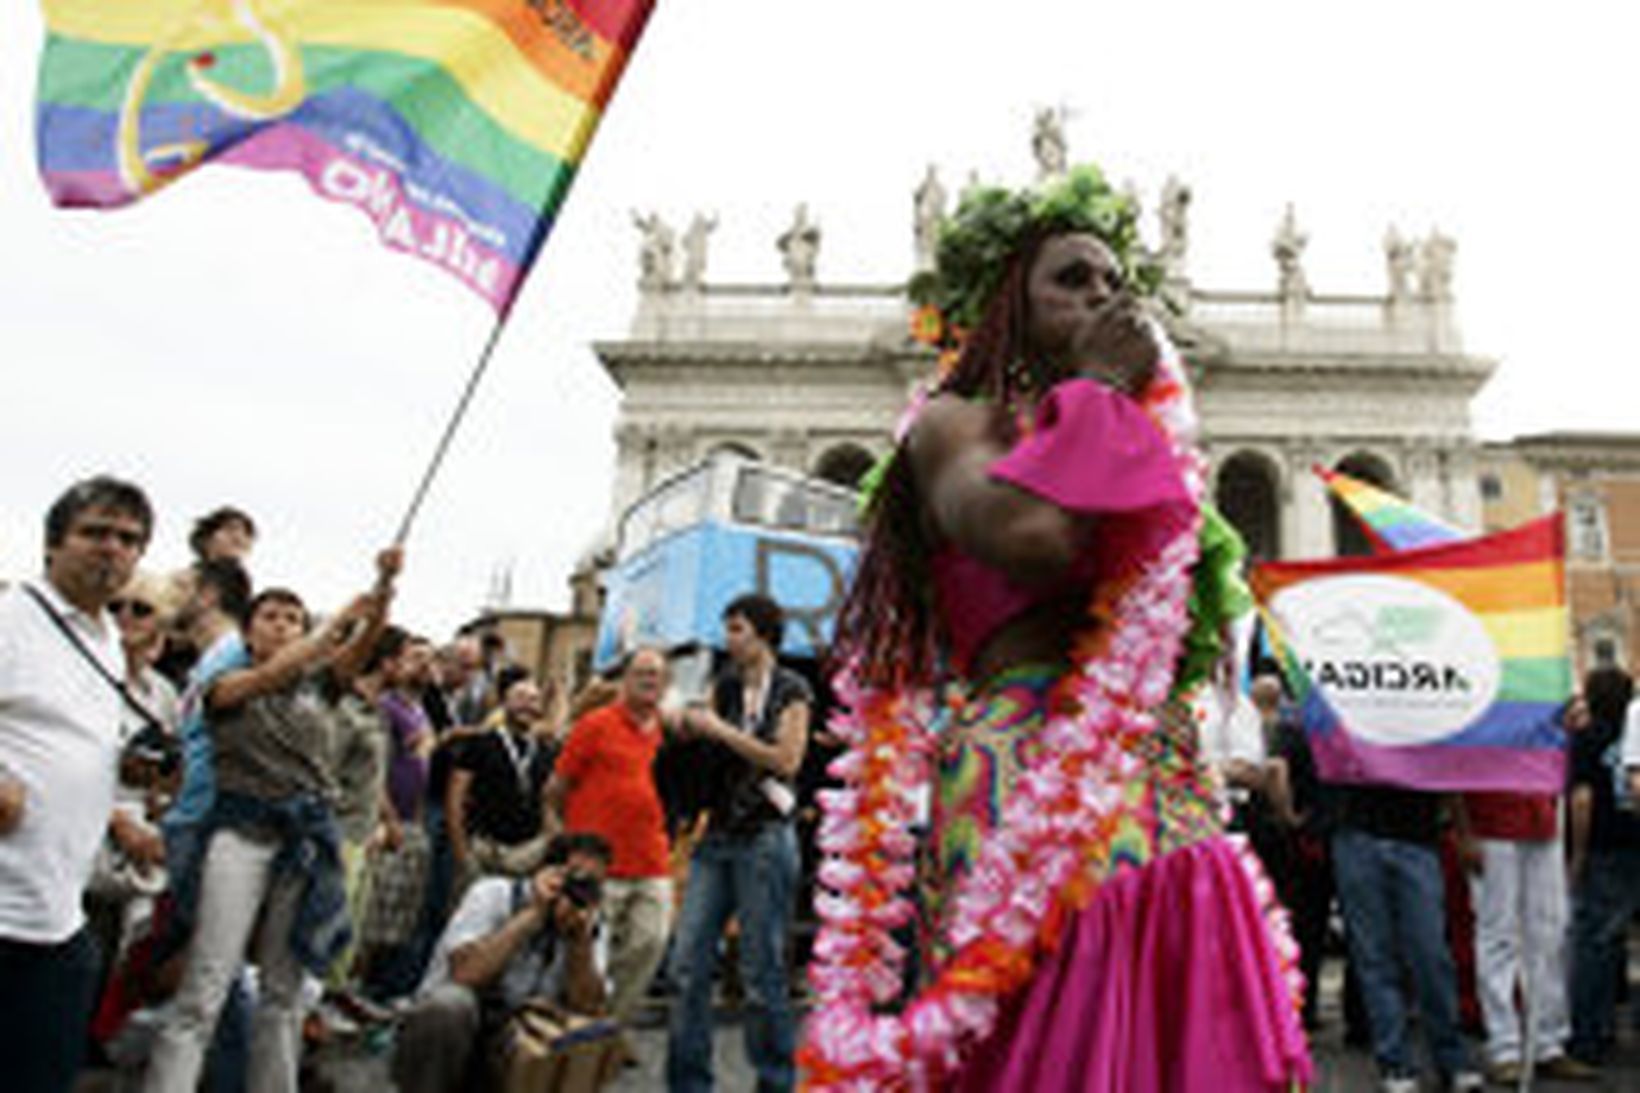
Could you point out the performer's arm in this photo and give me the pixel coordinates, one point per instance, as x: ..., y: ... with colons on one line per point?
x: 952, y: 447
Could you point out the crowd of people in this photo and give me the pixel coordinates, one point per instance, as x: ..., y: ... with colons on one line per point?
x: 1509, y: 912
x: 230, y: 830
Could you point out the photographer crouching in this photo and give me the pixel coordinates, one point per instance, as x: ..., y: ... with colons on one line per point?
x: 513, y: 943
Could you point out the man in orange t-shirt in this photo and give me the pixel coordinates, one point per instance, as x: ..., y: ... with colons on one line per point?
x: 603, y: 783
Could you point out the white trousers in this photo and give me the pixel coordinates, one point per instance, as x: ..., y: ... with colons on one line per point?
x: 638, y: 915
x: 1520, y: 939
x: 233, y: 889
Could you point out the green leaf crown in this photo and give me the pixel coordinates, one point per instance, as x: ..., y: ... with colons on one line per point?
x: 991, y: 224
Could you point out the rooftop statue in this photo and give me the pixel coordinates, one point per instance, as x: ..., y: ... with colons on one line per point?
x: 1435, y: 277
x: 1400, y: 255
x: 799, y: 248
x: 695, y: 238
x: 1048, y: 143
x: 928, y: 204
x: 655, y: 252
x: 1288, y: 249
x: 1174, y: 216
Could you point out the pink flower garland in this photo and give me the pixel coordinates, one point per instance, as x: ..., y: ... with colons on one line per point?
x: 1031, y: 871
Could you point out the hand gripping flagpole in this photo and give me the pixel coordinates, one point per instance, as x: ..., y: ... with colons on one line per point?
x: 456, y: 417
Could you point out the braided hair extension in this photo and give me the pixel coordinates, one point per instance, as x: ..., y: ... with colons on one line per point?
x: 887, y: 628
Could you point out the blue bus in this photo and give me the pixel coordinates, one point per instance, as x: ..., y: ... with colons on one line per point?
x: 724, y: 527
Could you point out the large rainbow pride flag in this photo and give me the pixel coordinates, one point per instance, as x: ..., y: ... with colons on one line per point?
x: 1442, y: 668
x: 456, y: 125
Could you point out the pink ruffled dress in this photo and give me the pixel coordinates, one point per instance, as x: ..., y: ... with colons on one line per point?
x: 1176, y: 976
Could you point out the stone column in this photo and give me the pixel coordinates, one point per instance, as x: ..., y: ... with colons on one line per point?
x: 1424, y: 487
x: 1463, y: 488
x: 635, y: 469
x: 1308, y: 533
x: 674, y: 450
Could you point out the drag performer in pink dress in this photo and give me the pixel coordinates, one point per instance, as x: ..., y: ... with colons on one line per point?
x: 1039, y: 590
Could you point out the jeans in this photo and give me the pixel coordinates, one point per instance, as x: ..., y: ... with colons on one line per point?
x: 440, y: 877
x: 1394, y: 909
x: 46, y: 994
x: 1520, y: 940
x: 754, y: 876
x: 1607, y: 898
x: 236, y: 883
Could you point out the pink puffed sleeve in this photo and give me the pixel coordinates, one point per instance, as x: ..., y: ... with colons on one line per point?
x: 1093, y: 451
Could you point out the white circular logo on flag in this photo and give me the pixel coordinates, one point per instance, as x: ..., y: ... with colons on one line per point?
x: 1400, y: 662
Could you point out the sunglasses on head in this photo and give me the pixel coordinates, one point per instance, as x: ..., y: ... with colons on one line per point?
x: 138, y: 608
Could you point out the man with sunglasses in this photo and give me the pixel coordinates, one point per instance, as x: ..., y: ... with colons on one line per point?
x: 60, y: 712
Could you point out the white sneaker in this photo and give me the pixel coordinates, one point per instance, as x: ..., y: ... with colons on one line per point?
x: 1467, y: 1081
x: 1399, y: 1085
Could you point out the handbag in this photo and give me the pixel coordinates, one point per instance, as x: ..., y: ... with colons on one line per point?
x: 543, y: 1048
x: 116, y: 878
x: 397, y: 889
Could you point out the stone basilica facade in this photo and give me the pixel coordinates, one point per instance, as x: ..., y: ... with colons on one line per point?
x: 813, y: 375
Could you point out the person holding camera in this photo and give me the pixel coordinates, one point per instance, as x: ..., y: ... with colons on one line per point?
x: 747, y: 862
x: 511, y: 941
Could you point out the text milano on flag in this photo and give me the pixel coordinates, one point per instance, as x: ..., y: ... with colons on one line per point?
x: 456, y: 125
x: 1440, y: 669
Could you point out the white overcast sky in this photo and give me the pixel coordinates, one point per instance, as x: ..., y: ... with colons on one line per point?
x: 237, y: 340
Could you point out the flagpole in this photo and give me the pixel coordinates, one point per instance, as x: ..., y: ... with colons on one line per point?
x: 450, y: 428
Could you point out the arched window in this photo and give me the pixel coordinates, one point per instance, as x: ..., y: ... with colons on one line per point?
x: 1247, y: 493
x: 1349, y: 541
x: 844, y: 464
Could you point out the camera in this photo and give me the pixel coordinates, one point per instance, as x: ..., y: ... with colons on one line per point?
x: 582, y: 889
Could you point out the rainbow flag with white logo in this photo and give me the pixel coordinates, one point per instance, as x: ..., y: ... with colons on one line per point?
x: 455, y: 125
x: 1442, y: 668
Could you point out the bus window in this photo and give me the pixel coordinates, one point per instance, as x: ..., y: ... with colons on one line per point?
x: 750, y: 497
x: 674, y: 505
x: 788, y: 502
x: 833, y: 515
x: 793, y: 511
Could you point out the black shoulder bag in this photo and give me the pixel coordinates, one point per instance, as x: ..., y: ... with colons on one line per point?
x: 151, y: 743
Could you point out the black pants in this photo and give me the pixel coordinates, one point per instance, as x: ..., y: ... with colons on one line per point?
x: 46, y: 993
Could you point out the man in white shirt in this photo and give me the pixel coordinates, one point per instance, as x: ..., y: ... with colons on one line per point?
x: 511, y: 940
x: 60, y: 716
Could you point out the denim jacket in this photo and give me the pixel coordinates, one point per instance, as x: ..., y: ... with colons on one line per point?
x: 310, y: 847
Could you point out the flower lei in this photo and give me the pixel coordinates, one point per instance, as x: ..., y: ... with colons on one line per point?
x: 1030, y: 877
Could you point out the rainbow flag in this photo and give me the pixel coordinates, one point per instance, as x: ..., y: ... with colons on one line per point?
x: 1441, y: 669
x: 1389, y: 522
x: 455, y: 125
